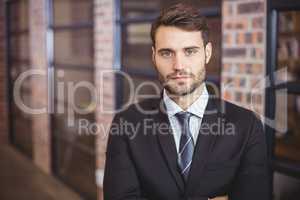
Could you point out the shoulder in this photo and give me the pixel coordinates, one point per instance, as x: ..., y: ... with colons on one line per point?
x: 237, y: 114
x: 241, y: 122
x: 232, y: 110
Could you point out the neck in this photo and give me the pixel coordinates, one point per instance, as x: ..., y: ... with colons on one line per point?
x: 185, y: 101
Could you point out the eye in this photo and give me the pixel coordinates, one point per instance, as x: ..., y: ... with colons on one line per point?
x: 166, y: 54
x: 189, y: 52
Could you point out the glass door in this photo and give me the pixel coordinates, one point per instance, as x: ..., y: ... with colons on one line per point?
x: 283, y: 96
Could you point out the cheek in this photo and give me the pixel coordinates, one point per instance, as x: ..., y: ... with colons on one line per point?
x: 197, y: 64
x: 163, y: 66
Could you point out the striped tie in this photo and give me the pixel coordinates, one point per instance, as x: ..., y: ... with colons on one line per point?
x: 186, y: 146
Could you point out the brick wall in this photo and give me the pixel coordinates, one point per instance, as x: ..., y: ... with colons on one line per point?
x: 103, y: 44
x: 3, y: 85
x: 243, y: 59
x: 38, y: 57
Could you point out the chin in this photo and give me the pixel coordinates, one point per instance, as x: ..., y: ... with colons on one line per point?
x: 180, y: 91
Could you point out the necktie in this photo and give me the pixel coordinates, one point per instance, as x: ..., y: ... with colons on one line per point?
x: 186, y: 145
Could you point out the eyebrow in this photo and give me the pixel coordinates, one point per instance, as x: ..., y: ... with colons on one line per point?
x: 165, y: 49
x: 185, y: 48
x: 192, y: 47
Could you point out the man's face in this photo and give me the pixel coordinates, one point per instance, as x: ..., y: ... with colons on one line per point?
x: 180, y: 57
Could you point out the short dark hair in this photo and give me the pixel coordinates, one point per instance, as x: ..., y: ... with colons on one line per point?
x: 182, y: 16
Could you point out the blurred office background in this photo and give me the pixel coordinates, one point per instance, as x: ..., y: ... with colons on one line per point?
x: 71, y: 44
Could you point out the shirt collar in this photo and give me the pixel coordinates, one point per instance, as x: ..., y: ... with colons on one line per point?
x: 197, y: 108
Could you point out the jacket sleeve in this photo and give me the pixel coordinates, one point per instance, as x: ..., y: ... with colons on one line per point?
x: 252, y: 179
x: 120, y: 177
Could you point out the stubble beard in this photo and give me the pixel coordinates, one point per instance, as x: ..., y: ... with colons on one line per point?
x: 183, y: 88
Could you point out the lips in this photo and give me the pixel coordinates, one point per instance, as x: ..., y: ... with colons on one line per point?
x: 180, y: 77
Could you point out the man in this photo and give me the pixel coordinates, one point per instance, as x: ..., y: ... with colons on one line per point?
x: 186, y: 144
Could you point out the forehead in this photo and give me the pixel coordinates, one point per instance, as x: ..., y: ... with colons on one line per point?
x: 176, y: 38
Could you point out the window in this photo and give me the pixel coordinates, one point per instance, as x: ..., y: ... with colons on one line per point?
x: 288, y: 53
x: 288, y: 58
x: 18, y: 62
x: 282, y: 97
x: 73, y: 150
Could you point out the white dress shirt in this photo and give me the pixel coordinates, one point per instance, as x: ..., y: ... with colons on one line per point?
x: 197, y: 109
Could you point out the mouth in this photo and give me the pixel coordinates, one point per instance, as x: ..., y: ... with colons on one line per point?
x: 180, y: 77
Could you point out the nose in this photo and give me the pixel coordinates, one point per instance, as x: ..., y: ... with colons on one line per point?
x: 178, y: 63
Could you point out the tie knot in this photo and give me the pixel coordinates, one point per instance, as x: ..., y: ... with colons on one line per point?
x: 183, y: 117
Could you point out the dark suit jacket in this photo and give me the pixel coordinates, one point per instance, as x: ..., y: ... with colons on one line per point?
x: 141, y: 161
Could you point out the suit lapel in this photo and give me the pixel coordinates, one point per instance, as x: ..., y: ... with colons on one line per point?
x: 205, y: 142
x: 167, y: 144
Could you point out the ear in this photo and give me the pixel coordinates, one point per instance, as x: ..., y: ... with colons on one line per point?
x: 153, y: 54
x: 208, y: 52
